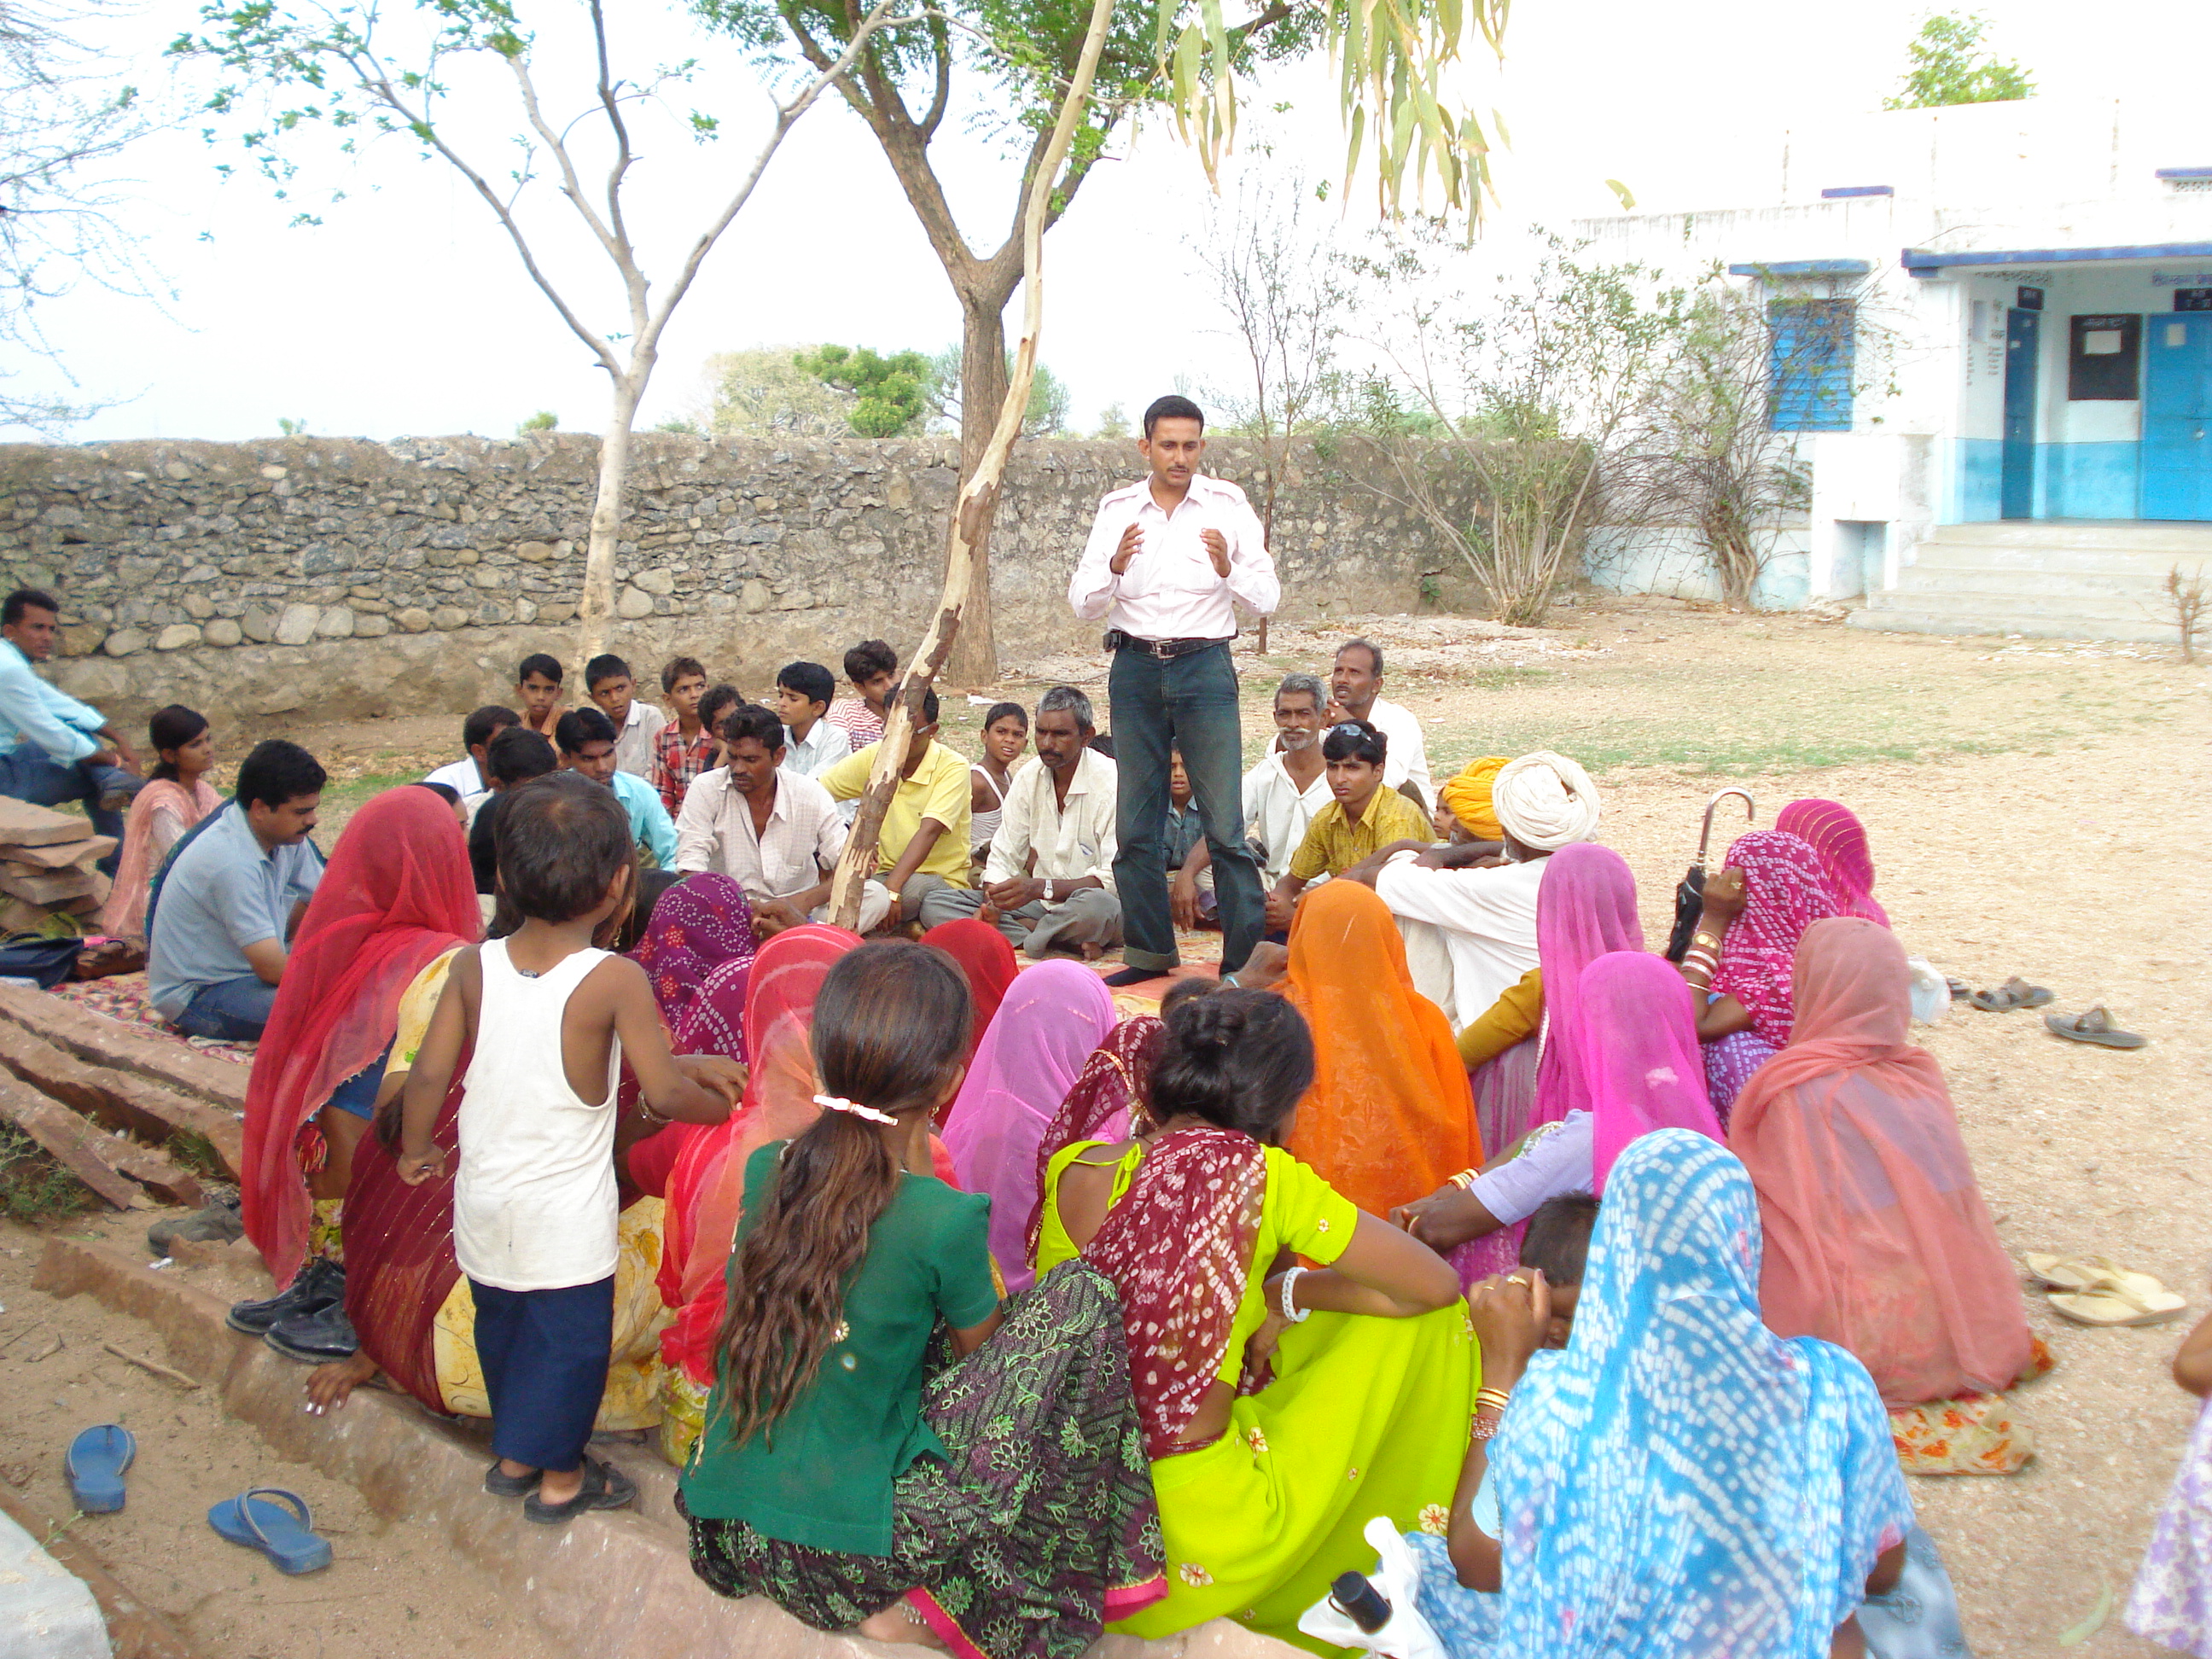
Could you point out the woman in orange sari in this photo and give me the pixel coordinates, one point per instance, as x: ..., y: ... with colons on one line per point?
x: 1389, y: 1117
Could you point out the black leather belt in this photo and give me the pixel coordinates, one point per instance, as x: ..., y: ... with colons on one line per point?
x: 1116, y: 639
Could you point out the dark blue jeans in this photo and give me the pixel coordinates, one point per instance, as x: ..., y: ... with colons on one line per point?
x: 28, y: 773
x: 1187, y: 704
x: 230, y: 1011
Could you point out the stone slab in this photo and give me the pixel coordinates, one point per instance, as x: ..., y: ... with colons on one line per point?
x: 607, y: 1586
x: 105, y: 1042
x: 24, y: 824
x: 61, y: 855
x: 46, y: 1612
x: 39, y: 886
x: 136, y: 1631
x: 120, y: 1099
x: 69, y: 1140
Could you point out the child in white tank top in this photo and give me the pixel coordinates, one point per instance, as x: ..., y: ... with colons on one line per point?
x: 534, y: 1197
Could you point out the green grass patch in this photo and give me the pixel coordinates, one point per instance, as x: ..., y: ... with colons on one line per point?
x: 33, y: 1188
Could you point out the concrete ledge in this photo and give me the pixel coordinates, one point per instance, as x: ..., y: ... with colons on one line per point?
x: 45, y: 1612
x: 606, y: 1586
x: 136, y: 1631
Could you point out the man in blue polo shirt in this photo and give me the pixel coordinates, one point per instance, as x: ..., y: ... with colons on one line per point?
x: 63, y: 749
x: 235, y: 890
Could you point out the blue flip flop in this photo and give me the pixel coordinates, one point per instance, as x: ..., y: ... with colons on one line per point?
x: 289, y: 1540
x: 94, y: 1466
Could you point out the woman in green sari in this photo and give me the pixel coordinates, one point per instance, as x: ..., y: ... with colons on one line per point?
x: 1283, y: 1407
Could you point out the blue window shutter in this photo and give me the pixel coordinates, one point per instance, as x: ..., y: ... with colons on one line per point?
x: 1809, y: 361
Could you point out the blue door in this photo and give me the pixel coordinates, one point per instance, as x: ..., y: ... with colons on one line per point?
x: 2023, y: 338
x: 2177, y: 454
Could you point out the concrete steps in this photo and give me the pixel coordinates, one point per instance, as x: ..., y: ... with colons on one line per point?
x: 2050, y: 579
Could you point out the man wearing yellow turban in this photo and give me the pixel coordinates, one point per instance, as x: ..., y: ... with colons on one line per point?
x: 1467, y: 797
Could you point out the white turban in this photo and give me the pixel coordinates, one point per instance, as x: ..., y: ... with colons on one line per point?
x: 1545, y: 801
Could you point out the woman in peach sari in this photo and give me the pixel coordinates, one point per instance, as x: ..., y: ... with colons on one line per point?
x: 1389, y: 1117
x: 1877, y: 1238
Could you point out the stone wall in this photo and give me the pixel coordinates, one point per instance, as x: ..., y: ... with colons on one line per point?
x: 336, y: 578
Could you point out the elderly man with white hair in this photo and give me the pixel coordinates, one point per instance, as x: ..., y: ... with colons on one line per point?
x: 1468, y: 913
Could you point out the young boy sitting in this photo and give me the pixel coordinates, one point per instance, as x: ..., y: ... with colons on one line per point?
x: 586, y: 739
x: 872, y: 667
x: 684, y: 748
x: 1364, y: 817
x: 466, y: 777
x: 811, y: 745
x: 550, y: 1019
x: 714, y: 708
x: 926, y: 827
x: 609, y: 683
x: 537, y: 689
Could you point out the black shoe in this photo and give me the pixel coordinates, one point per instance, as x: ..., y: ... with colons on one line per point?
x: 315, y: 1338
x: 1135, y: 975
x: 217, y: 1223
x: 502, y: 1485
x: 320, y: 1284
x: 606, y: 1487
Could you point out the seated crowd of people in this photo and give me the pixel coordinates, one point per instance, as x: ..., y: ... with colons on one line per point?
x: 980, y: 1312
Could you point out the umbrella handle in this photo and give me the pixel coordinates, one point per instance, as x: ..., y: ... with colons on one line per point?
x: 1750, y: 816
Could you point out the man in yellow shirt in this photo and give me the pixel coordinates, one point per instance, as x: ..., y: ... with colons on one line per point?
x: 926, y: 827
x: 1365, y: 816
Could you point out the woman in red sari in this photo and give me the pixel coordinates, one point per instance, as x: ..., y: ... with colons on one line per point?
x: 395, y: 895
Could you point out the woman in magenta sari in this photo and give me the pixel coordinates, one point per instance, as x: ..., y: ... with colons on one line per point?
x: 1047, y: 1026
x: 1780, y: 890
x: 698, y: 952
x: 1838, y: 840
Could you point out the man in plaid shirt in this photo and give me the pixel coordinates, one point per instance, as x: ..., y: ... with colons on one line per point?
x: 684, y: 748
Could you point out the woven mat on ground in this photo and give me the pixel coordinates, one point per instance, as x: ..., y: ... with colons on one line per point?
x: 123, y: 998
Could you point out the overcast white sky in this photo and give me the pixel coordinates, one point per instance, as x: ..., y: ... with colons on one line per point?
x: 405, y: 311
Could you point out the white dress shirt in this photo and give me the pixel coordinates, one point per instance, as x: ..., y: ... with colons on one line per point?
x: 1407, y: 759
x: 1276, y: 813
x: 633, y: 741
x: 462, y: 777
x: 1070, y: 843
x: 1169, y: 591
x: 1486, y: 919
x: 805, y: 835
x: 822, y: 748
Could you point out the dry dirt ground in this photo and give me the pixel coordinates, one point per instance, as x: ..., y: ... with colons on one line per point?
x: 2034, y: 808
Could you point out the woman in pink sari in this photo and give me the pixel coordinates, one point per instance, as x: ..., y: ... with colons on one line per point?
x: 1638, y: 1069
x: 1877, y: 1238
x: 1839, y: 840
x: 176, y: 797
x: 1048, y: 1024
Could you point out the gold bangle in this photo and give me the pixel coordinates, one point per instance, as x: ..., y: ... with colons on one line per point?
x: 1488, y: 1398
x: 1465, y: 1180
x: 1711, y: 941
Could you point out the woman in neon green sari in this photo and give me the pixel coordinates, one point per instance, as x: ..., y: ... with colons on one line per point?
x: 1282, y: 1410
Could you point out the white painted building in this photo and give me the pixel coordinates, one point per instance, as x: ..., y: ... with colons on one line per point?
x: 2023, y: 442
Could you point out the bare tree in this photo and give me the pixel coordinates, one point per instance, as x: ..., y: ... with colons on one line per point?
x: 62, y: 119
x: 1749, y: 369
x: 1493, y: 418
x: 358, y: 67
x: 2186, y: 596
x: 1270, y: 254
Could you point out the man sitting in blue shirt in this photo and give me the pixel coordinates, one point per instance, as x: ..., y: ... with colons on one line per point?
x: 586, y: 739
x: 63, y: 749
x: 232, y: 893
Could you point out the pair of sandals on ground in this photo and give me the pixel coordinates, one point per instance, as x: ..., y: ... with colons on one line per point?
x: 2093, y: 1027
x: 282, y: 1530
x: 2097, y: 1290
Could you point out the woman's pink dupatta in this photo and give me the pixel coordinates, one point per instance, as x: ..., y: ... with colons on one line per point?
x: 1638, y: 1032
x: 1585, y: 908
x: 1877, y: 1237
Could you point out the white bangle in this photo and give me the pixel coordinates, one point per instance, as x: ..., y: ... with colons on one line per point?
x: 1284, y: 1304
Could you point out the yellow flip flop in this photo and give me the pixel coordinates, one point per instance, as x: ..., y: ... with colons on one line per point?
x: 2114, y: 1303
x: 2078, y: 1274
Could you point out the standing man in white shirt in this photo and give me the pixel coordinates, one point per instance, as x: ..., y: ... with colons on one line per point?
x: 1167, y: 561
x: 1356, y: 682
x: 1048, y: 883
x: 775, y: 833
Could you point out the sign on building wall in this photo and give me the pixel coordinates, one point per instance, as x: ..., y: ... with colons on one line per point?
x: 2102, y: 357
x: 2192, y: 299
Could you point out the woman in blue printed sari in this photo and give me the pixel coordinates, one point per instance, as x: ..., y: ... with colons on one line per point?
x: 1678, y: 1483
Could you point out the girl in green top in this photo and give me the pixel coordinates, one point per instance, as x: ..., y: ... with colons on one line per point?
x: 886, y: 1448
